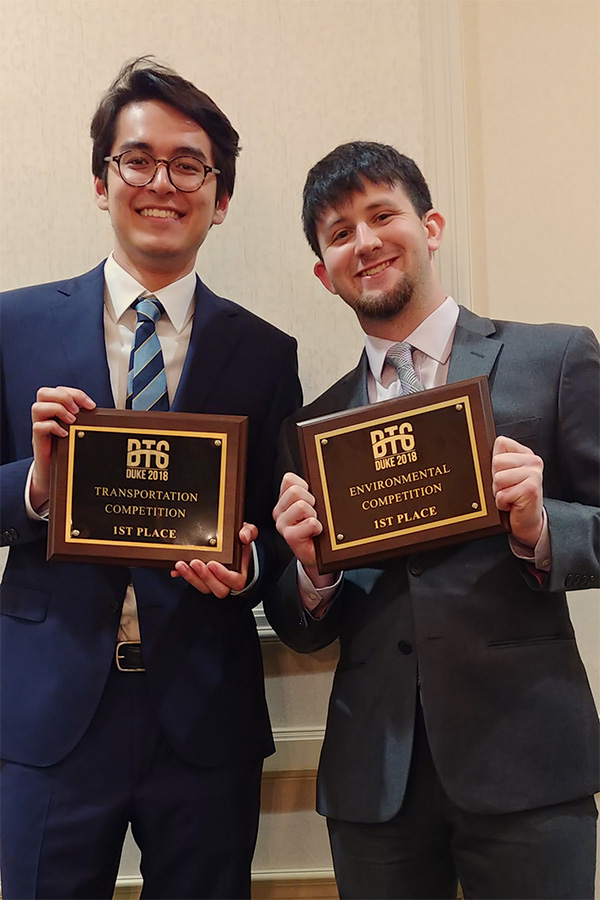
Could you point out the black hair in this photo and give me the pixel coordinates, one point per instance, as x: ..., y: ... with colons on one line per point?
x: 342, y: 172
x: 145, y: 79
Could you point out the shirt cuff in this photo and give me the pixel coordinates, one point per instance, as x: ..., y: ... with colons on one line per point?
x: 541, y: 557
x: 254, y: 577
x: 315, y: 600
x: 43, y: 513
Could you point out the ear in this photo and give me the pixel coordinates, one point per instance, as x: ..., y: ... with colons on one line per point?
x: 434, y: 224
x: 321, y: 273
x: 101, y: 193
x: 220, y: 212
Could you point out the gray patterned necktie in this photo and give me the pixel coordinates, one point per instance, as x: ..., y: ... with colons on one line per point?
x: 400, y: 356
x: 147, y: 381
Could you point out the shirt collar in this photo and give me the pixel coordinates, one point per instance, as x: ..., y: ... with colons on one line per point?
x: 433, y: 337
x: 122, y: 289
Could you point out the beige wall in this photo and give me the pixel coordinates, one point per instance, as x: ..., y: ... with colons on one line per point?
x: 513, y: 162
x: 532, y: 89
x: 532, y: 79
x: 296, y: 78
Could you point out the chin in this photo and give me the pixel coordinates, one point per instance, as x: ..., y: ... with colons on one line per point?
x: 380, y: 307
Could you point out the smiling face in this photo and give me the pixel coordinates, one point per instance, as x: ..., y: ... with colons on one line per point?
x: 158, y: 229
x: 377, y: 254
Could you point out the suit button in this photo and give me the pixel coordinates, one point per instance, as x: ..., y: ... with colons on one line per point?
x: 113, y: 606
x: 415, y: 567
x: 569, y: 581
x: 405, y: 647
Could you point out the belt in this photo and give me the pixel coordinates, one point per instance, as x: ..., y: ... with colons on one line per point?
x: 129, y: 657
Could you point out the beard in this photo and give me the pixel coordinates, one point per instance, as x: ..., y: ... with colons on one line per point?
x: 381, y: 305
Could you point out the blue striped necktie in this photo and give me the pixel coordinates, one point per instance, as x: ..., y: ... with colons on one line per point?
x: 400, y: 356
x: 147, y: 381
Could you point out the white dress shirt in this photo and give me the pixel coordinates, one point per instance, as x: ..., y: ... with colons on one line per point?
x: 173, y: 330
x: 432, y: 342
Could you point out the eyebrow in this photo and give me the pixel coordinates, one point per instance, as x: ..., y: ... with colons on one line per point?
x: 377, y: 204
x: 183, y: 150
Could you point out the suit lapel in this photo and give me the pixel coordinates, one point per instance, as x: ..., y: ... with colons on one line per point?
x: 78, y: 310
x: 213, y: 339
x: 474, y: 352
x: 475, y: 347
x: 354, y: 384
x: 347, y: 393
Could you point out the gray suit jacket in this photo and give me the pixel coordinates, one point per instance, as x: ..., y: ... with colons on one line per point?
x: 507, y: 705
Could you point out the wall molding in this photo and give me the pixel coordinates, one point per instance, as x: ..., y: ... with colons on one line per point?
x: 298, y: 749
x: 274, y: 884
x: 265, y: 632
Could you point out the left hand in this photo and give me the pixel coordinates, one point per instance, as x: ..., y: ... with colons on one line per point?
x: 213, y: 577
x: 518, y: 488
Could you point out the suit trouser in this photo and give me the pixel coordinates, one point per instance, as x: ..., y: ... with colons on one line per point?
x: 63, y: 826
x: 431, y: 844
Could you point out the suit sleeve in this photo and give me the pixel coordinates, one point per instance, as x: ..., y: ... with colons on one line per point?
x: 15, y: 527
x: 574, y: 516
x: 261, y: 497
x: 282, y: 603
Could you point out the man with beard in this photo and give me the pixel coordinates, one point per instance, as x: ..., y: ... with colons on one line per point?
x: 462, y: 737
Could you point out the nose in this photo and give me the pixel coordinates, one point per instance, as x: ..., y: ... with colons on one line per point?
x: 161, y: 181
x: 366, y: 239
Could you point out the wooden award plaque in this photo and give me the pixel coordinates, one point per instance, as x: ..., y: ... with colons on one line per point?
x: 148, y: 488
x: 402, y: 475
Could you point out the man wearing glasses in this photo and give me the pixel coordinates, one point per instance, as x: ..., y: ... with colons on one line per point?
x: 170, y: 733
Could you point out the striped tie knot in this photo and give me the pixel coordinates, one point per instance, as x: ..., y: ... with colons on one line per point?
x: 400, y: 357
x: 147, y: 381
x: 147, y: 306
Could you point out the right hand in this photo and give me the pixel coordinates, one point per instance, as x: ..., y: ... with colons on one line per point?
x: 297, y: 523
x: 62, y: 403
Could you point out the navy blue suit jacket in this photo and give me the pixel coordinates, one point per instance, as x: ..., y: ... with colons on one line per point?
x: 60, y: 620
x: 508, y: 709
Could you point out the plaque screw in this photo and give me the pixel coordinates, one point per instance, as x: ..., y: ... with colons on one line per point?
x: 474, y: 505
x: 340, y: 537
x: 458, y: 406
x: 324, y: 442
x: 217, y: 443
x: 75, y: 532
x: 81, y: 434
x: 213, y: 542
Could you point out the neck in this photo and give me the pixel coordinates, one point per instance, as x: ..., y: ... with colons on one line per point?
x: 399, y: 327
x: 153, y: 276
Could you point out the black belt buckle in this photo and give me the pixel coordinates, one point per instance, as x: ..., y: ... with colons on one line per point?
x: 129, y: 657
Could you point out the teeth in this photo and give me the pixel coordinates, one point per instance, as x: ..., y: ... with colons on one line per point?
x: 375, y: 270
x: 160, y: 213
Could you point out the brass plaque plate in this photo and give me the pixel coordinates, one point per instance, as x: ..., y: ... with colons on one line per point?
x: 402, y: 475
x: 148, y: 489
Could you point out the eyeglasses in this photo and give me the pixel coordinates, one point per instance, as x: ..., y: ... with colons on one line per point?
x: 137, y: 168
